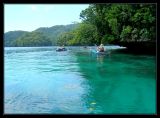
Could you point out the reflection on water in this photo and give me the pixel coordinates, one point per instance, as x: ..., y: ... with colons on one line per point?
x: 41, y: 80
x: 100, y: 58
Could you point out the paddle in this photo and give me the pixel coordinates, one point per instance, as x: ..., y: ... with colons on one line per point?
x: 95, y: 47
x: 96, y: 50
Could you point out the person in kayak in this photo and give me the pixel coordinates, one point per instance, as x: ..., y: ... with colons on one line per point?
x: 62, y: 48
x: 100, y: 48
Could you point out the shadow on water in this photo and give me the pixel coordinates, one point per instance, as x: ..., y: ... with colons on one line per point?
x: 136, y: 52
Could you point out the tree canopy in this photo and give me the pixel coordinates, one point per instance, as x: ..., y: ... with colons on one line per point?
x: 113, y: 23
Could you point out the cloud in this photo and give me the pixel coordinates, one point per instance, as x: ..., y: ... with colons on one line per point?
x: 44, y: 8
x: 33, y: 7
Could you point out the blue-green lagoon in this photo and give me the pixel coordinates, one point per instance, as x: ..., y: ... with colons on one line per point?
x: 39, y: 80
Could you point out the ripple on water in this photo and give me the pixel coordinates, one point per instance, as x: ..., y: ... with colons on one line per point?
x: 41, y: 80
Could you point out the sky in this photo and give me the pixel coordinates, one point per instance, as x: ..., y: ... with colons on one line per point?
x: 28, y: 17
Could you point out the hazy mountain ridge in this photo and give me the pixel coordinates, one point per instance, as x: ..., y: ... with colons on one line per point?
x: 19, y: 38
x: 10, y: 36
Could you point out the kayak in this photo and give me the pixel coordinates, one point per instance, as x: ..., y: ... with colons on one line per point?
x: 97, y: 52
x: 61, y: 49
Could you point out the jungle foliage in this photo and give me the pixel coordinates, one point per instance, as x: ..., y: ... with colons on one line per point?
x: 111, y: 23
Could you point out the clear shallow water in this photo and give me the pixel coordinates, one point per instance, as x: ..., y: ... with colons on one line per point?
x: 40, y: 80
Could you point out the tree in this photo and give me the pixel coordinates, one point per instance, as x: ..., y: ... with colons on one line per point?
x: 85, y: 34
x: 64, y: 38
x: 122, y: 22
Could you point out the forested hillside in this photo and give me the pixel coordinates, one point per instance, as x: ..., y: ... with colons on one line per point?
x: 54, y: 31
x: 9, y: 37
x: 32, y: 39
x: 40, y: 37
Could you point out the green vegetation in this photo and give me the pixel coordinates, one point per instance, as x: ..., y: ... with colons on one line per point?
x: 9, y: 37
x: 55, y: 31
x: 32, y: 39
x: 101, y: 23
x: 39, y: 37
x: 115, y: 23
x: 85, y: 34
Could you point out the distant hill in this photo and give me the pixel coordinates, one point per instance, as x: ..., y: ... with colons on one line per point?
x: 10, y: 36
x: 56, y: 30
x: 19, y: 38
x: 32, y: 39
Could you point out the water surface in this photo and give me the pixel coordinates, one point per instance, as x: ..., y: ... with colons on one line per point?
x: 40, y: 80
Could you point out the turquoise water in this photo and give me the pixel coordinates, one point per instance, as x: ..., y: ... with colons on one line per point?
x: 39, y: 80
